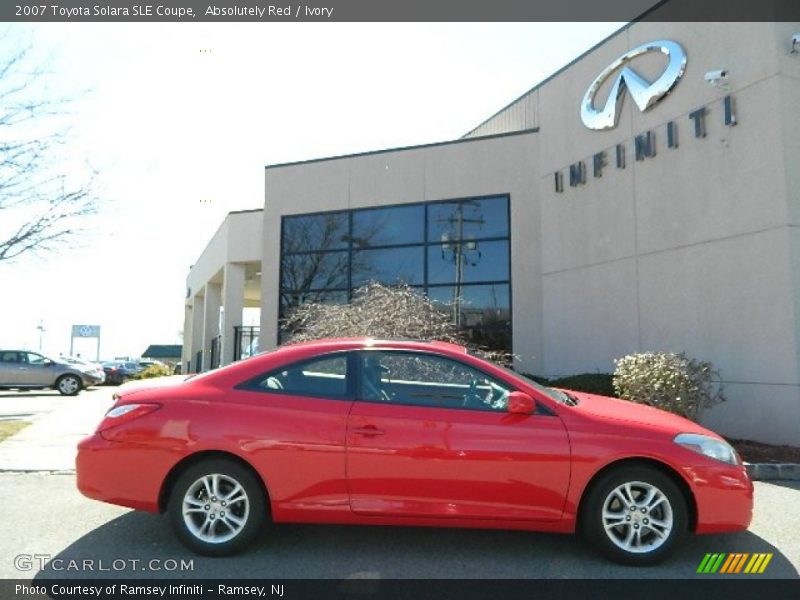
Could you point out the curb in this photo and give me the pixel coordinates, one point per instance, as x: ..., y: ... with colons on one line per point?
x: 773, y: 471
x: 17, y: 471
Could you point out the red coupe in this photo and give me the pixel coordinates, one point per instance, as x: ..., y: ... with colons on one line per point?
x: 366, y: 432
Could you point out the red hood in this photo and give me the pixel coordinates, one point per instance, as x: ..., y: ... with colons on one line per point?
x: 616, y: 411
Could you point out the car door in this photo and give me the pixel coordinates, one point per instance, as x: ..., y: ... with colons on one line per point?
x: 430, y: 437
x: 9, y: 367
x: 36, y: 370
x: 295, y: 417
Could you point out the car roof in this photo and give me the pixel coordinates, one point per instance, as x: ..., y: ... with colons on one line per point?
x: 232, y: 373
x: 370, y: 342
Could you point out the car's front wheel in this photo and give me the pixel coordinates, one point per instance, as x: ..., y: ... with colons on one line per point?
x: 217, y: 507
x: 68, y: 385
x: 635, y: 515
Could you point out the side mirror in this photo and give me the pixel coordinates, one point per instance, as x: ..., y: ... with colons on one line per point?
x: 520, y: 403
x: 47, y: 363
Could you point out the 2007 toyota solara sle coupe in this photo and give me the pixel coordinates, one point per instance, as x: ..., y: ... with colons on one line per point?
x: 363, y: 431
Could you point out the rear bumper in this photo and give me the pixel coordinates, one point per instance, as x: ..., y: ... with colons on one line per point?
x: 106, y: 471
x: 724, y: 497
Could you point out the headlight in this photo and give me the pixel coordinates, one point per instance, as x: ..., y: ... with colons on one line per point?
x: 708, y: 446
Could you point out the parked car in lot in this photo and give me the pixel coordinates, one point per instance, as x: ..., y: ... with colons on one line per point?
x: 96, y: 369
x: 118, y: 372
x: 361, y: 431
x: 25, y: 370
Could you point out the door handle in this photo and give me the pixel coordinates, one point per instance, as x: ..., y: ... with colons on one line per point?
x: 368, y: 431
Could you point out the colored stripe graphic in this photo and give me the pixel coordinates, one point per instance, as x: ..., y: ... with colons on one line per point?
x: 711, y: 563
x: 741, y: 563
x: 765, y: 563
x: 703, y: 563
x: 734, y: 563
x: 757, y: 558
x: 730, y: 563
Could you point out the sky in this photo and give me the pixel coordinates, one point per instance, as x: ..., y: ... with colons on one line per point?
x: 179, y: 120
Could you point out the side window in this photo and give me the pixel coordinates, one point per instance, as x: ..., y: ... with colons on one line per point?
x: 9, y: 357
x: 426, y: 380
x: 325, y: 376
x: 34, y: 359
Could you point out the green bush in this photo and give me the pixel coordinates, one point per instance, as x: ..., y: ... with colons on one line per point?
x: 668, y: 381
x: 153, y: 371
x: 590, y: 383
x: 538, y: 379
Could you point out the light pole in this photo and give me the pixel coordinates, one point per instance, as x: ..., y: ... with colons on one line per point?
x: 41, y: 331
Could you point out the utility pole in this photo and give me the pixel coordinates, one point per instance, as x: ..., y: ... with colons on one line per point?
x: 454, y: 242
x: 41, y: 331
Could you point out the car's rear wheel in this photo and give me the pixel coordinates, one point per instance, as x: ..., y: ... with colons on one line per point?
x: 68, y: 385
x: 217, y: 507
x: 635, y: 515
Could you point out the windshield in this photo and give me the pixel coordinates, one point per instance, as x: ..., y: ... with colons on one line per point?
x: 551, y: 393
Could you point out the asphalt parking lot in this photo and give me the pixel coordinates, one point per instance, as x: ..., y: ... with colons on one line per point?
x: 52, y: 519
x: 54, y: 530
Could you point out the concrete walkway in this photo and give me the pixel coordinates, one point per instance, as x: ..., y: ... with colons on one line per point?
x: 49, y: 442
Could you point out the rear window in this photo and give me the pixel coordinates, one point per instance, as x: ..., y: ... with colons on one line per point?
x: 324, y: 376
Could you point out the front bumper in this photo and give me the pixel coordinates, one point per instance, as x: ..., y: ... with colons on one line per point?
x: 724, y: 497
x: 92, y: 378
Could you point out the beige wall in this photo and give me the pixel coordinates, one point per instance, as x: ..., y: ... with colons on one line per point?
x: 693, y: 250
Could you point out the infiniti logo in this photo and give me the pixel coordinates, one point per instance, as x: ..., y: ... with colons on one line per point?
x: 644, y: 94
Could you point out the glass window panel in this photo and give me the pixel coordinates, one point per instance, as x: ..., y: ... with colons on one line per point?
x: 388, y: 226
x: 389, y: 266
x: 468, y: 219
x: 479, y: 261
x: 324, y: 377
x: 424, y: 380
x: 289, y: 301
x: 306, y: 233
x: 317, y: 271
x: 35, y: 359
x: 482, y: 311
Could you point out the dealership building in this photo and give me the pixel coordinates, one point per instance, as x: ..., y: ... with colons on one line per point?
x: 645, y: 197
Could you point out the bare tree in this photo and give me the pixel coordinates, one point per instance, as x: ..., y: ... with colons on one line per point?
x: 41, y: 204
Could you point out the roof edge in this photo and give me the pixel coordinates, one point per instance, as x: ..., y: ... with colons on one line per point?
x: 404, y: 148
x: 569, y: 64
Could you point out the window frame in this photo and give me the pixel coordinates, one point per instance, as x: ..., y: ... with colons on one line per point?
x: 252, y: 384
x: 425, y: 244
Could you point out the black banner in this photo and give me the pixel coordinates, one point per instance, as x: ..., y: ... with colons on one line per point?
x: 278, y: 11
x: 393, y: 589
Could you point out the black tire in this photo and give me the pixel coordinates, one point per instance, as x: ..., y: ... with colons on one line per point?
x: 654, y: 542
x: 69, y: 385
x: 189, y: 527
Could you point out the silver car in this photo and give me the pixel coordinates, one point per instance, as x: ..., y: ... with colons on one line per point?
x: 25, y: 370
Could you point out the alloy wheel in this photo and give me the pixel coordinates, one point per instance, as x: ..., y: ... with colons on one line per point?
x: 637, y: 517
x: 215, y: 508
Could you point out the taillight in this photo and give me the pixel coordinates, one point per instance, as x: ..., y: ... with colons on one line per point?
x: 124, y: 414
